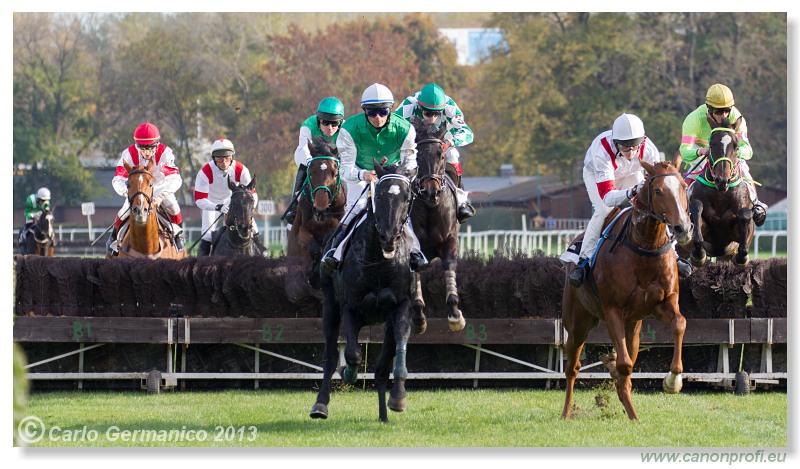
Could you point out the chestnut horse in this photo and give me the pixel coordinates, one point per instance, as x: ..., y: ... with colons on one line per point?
x: 40, y: 240
x: 319, y: 209
x: 143, y: 237
x: 635, y: 275
x: 719, y: 202
x: 434, y: 219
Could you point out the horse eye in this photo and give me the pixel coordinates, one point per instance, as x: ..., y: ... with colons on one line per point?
x: 658, y: 191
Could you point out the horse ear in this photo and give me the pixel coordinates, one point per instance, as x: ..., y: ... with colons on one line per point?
x: 310, y: 148
x: 678, y: 160
x: 128, y: 167
x: 231, y: 184
x: 378, y: 168
x: 150, y: 164
x: 252, y: 185
x: 335, y: 152
x: 738, y: 123
x: 647, y: 167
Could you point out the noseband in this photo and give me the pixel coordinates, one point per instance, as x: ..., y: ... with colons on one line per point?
x: 650, y: 212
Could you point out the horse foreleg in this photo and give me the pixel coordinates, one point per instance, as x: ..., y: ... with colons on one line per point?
x: 698, y: 257
x: 401, y: 330
x: 669, y: 313
x: 382, y: 370
x: 623, y: 368
x: 352, y: 351
x: 455, y: 319
x: 578, y: 323
x: 418, y: 321
x: 744, y: 220
x: 331, y: 319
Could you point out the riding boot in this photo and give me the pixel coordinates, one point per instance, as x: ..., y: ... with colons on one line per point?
x: 299, y: 179
x: 204, y: 248
x: 180, y: 239
x: 417, y: 261
x: 759, y: 212
x: 578, y: 274
x: 111, y: 244
x: 684, y: 269
x: 329, y: 263
x: 465, y: 209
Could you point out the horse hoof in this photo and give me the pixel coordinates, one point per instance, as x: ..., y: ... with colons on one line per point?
x: 698, y: 262
x: 457, y: 324
x: 419, y: 326
x: 672, y: 383
x: 397, y: 404
x: 741, y: 264
x: 349, y: 375
x: 319, y: 411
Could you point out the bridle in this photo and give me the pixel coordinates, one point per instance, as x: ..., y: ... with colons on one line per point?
x: 147, y: 197
x: 331, y: 193
x: 388, y: 177
x: 45, y: 234
x: 231, y: 222
x: 439, y: 178
x: 736, y: 176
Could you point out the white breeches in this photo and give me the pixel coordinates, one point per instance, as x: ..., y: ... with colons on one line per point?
x: 600, y: 210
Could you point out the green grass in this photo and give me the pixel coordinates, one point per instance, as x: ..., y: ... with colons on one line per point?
x: 451, y: 418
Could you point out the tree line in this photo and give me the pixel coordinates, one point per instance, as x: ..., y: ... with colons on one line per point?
x: 82, y: 82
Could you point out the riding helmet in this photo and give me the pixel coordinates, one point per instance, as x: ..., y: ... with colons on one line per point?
x: 43, y: 193
x: 719, y: 96
x: 146, y: 134
x: 432, y: 97
x: 222, y: 147
x: 628, y: 130
x: 330, y: 109
x: 377, y: 96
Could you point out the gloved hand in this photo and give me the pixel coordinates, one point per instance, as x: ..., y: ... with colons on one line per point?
x: 157, y: 199
x: 634, y: 190
x: 223, y: 207
x: 446, y: 145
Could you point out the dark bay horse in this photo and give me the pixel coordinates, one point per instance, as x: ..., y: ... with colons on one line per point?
x: 435, y: 220
x: 635, y: 275
x: 40, y: 240
x: 373, y: 286
x: 319, y: 209
x: 719, y: 203
x: 238, y: 238
x: 144, y: 238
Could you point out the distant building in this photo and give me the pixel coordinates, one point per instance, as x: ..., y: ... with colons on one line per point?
x: 474, y: 44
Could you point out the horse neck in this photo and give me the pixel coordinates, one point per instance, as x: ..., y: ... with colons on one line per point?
x: 645, y: 231
x: 144, y: 238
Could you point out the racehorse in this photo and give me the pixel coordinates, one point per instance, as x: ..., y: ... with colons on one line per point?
x: 719, y: 203
x: 238, y: 236
x: 40, y: 240
x: 434, y: 219
x: 319, y: 208
x: 635, y: 275
x: 373, y: 285
x: 143, y: 237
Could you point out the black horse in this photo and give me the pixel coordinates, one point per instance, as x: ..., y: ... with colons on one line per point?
x: 373, y: 285
x: 40, y: 239
x: 719, y: 203
x: 238, y: 236
x: 434, y: 218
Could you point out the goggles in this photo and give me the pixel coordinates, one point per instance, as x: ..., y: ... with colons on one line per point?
x: 721, y: 111
x: 383, y: 112
x: 431, y: 113
x: 330, y: 123
x: 152, y: 146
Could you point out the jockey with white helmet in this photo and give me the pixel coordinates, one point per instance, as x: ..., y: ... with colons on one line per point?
x: 211, y: 191
x: 34, y: 205
x: 612, y: 175
x: 373, y: 134
x: 432, y: 105
x: 147, y: 146
x: 326, y: 124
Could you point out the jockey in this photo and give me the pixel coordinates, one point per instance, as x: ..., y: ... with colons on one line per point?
x: 362, y: 138
x: 34, y: 205
x: 211, y: 191
x: 431, y: 105
x: 697, y: 131
x: 147, y: 146
x: 612, y: 175
x: 326, y: 123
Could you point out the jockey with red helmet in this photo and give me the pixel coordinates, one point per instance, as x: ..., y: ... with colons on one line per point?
x: 211, y: 192
x: 613, y: 175
x: 147, y: 146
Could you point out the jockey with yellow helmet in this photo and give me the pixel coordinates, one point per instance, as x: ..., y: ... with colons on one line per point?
x: 696, y: 132
x: 325, y: 123
x: 432, y: 105
x: 613, y: 175
x: 147, y: 146
x: 373, y: 134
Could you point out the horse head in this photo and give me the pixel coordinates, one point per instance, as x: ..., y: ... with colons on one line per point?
x: 43, y: 225
x: 390, y: 204
x: 429, y: 183
x: 323, y: 178
x: 723, y: 146
x: 240, y: 211
x: 140, y: 191
x: 663, y: 197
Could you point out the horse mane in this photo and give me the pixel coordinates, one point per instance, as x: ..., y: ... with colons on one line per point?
x: 427, y: 130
